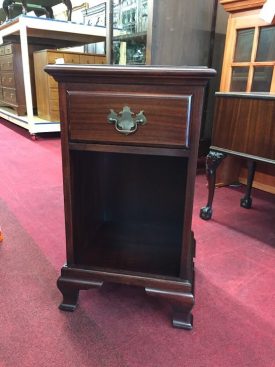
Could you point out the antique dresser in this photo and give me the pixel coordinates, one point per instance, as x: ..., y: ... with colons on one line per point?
x: 129, y: 147
x: 11, y: 76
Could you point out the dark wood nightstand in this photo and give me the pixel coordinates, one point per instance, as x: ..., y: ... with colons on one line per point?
x: 129, y: 146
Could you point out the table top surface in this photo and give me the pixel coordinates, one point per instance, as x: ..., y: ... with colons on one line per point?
x: 251, y: 95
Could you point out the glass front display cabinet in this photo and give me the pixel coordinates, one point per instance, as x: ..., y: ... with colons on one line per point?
x: 130, y: 22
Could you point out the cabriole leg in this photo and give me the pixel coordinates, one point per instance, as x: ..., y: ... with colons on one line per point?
x: 246, y: 201
x: 213, y: 161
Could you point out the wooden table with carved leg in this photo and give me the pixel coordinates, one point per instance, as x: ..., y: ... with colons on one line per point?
x: 243, y: 127
x: 129, y: 151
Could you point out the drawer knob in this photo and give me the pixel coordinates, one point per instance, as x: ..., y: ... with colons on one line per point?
x: 125, y: 122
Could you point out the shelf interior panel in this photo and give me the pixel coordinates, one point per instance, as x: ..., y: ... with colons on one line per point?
x: 128, y: 211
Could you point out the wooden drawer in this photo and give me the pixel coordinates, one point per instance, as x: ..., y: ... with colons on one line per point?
x: 7, y: 80
x: 168, y: 118
x: 54, y: 105
x: 71, y: 58
x: 6, y: 63
x: 54, y: 115
x: 53, y: 94
x: 52, y: 83
x: 9, y: 95
x: 52, y: 56
x: 8, y: 49
x: 100, y: 59
x: 86, y: 59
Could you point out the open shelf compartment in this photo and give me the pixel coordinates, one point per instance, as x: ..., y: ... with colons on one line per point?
x: 128, y: 211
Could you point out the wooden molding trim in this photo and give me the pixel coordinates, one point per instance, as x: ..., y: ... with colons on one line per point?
x: 233, y: 6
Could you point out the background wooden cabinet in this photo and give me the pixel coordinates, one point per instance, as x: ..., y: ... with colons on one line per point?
x: 33, y: 34
x: 46, y: 86
x: 173, y: 32
x: 167, y: 32
x: 248, y: 66
x: 249, y: 56
x: 11, y: 77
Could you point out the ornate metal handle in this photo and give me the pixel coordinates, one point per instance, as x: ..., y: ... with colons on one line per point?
x: 124, y: 121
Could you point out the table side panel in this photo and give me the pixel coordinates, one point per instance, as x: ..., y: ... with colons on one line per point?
x: 245, y: 125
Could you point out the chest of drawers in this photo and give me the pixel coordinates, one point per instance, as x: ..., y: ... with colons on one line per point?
x: 129, y: 149
x: 46, y: 86
x: 12, y: 92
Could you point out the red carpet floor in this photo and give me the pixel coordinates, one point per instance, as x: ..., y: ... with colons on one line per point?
x: 119, y: 326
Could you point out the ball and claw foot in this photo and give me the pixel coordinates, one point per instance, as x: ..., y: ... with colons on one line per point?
x: 206, y: 213
x: 246, y: 203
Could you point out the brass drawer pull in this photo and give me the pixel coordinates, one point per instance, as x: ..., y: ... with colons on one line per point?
x: 124, y: 122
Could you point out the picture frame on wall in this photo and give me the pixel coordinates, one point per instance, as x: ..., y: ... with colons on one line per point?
x: 95, y: 16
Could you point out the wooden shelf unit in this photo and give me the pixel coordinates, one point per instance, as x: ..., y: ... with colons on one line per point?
x: 11, y: 77
x: 52, y: 33
x: 47, y: 88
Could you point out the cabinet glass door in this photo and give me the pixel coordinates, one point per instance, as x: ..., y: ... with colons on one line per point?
x: 244, y: 45
x: 252, y: 69
x: 266, y: 50
x: 130, y: 21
